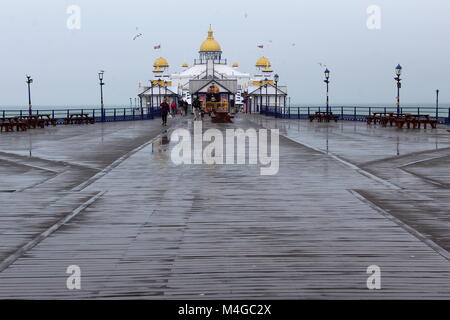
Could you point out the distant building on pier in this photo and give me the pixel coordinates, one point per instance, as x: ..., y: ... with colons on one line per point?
x: 211, y: 79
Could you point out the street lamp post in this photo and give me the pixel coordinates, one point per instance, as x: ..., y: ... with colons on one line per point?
x: 398, y: 73
x: 276, y: 77
x: 165, y: 89
x: 159, y: 91
x: 327, y: 81
x: 29, y: 82
x: 261, y: 83
x: 100, y: 77
x: 151, y: 94
x: 437, y: 104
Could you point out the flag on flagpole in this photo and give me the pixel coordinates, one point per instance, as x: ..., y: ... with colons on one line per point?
x: 157, y: 47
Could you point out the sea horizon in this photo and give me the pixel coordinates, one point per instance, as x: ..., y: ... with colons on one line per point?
x: 292, y: 105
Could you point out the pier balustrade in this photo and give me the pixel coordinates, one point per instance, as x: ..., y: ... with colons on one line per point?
x: 352, y: 113
x: 58, y: 116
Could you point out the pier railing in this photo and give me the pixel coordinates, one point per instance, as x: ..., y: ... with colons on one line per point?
x: 108, y: 115
x: 352, y: 113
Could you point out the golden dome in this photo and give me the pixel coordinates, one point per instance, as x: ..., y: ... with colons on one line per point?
x: 263, y: 62
x: 210, y: 45
x: 158, y: 69
x: 185, y: 65
x: 235, y: 65
x: 161, y: 62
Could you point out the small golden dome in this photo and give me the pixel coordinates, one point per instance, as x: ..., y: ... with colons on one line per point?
x: 185, y: 65
x: 267, y: 69
x: 263, y: 62
x: 235, y: 65
x: 210, y: 45
x: 161, y: 62
x: 158, y: 69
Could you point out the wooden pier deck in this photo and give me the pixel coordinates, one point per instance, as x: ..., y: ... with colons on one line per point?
x: 108, y: 198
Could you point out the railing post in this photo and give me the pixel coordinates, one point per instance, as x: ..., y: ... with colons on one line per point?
x: 298, y: 112
x: 354, y: 114
x: 53, y: 114
x: 309, y: 111
x: 115, y: 113
x: 134, y: 113
x: 124, y: 114
x: 68, y: 114
x: 342, y: 113
x: 93, y: 114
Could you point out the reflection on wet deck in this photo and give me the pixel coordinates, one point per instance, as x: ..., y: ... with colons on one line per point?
x: 347, y: 196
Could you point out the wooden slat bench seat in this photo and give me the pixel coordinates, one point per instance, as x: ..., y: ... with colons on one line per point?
x: 323, y: 116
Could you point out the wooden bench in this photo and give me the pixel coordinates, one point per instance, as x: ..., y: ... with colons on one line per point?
x: 323, y: 116
x: 48, y: 120
x: 379, y: 117
x: 79, y: 119
x: 416, y: 121
x: 8, y: 124
x: 221, y: 117
x: 33, y: 121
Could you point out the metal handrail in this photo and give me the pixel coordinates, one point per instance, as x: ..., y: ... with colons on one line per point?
x: 354, y: 113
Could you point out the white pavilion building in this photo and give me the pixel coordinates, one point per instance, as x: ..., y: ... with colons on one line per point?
x: 210, y: 78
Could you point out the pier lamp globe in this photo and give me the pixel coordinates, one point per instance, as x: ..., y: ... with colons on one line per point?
x: 398, y: 70
x: 327, y: 74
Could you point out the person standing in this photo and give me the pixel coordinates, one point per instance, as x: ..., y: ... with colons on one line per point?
x: 165, y: 109
x: 185, y: 107
x: 173, y: 108
x: 197, y: 106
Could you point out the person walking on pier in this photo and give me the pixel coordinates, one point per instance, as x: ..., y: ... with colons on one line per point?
x: 197, y: 109
x: 173, y: 108
x: 185, y: 107
x: 165, y: 109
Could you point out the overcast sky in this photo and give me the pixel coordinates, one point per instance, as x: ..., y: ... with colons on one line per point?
x: 64, y: 63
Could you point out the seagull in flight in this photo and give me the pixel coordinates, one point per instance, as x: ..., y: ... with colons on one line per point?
x: 137, y: 35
